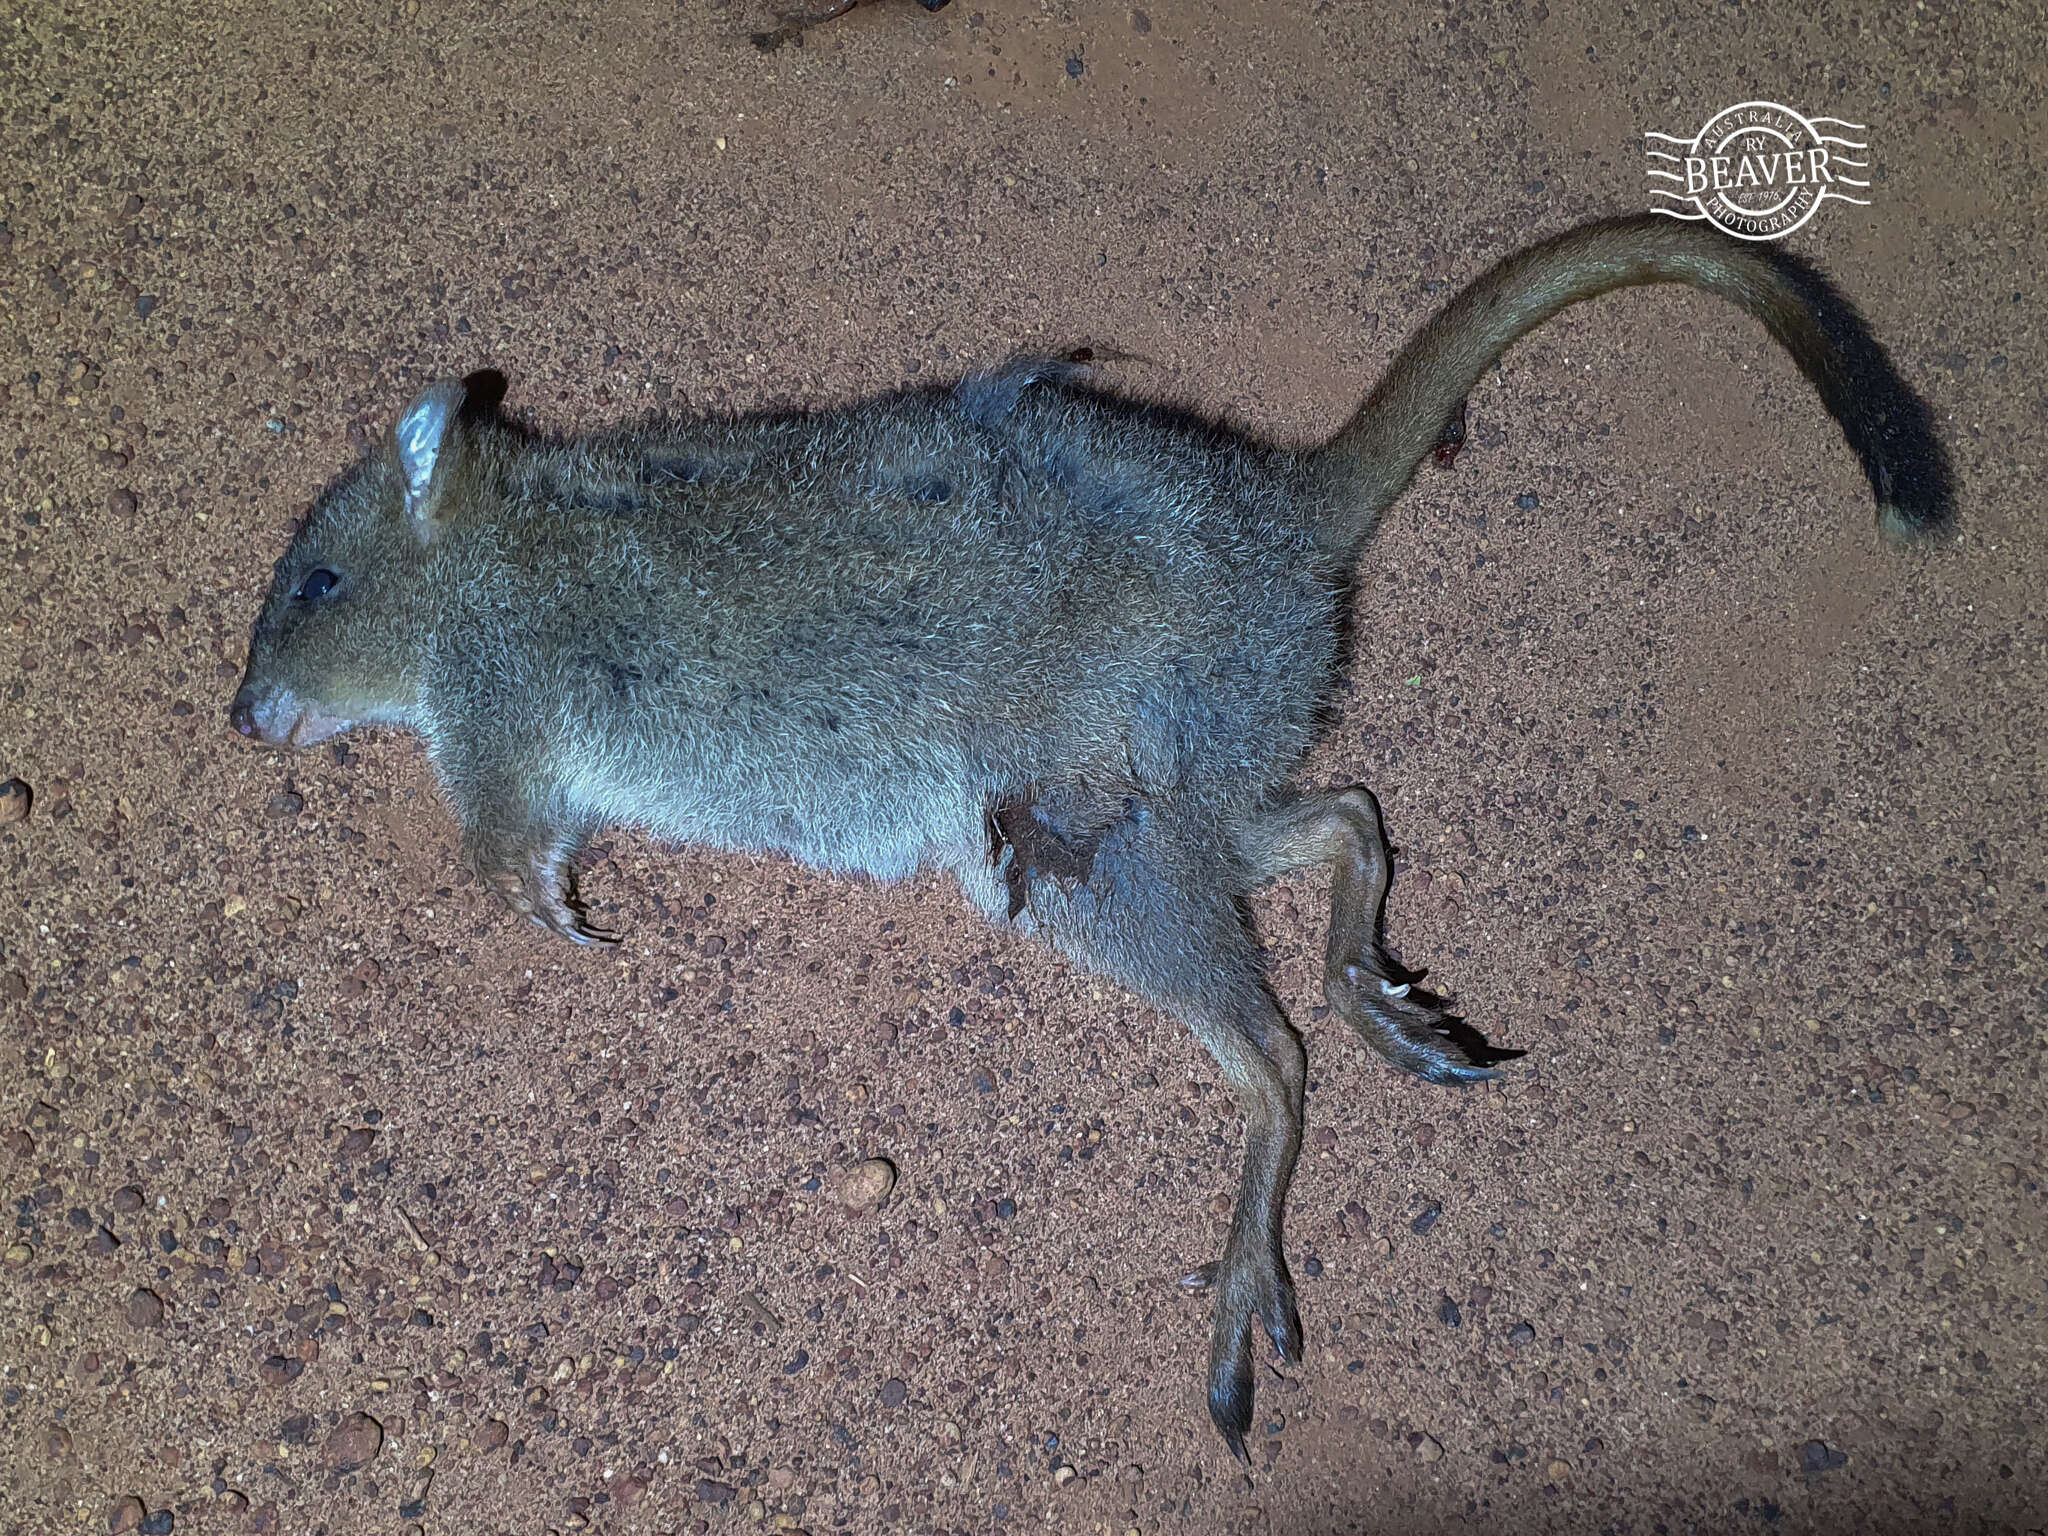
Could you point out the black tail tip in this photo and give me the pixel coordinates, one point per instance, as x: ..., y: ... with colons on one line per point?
x: 1914, y: 484
x: 1906, y: 527
x: 1914, y: 522
x: 1888, y: 424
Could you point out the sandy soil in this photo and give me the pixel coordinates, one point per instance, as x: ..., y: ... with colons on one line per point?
x: 1731, y: 819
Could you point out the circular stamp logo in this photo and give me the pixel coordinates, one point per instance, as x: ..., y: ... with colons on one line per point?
x: 1758, y: 171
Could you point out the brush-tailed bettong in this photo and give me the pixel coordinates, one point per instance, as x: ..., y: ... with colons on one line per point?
x: 1065, y: 645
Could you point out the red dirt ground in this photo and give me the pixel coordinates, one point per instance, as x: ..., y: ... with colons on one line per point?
x: 1730, y: 818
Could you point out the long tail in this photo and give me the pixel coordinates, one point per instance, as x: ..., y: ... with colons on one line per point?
x: 1371, y: 460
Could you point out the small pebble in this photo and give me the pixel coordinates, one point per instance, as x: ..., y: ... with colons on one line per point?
x: 145, y: 1309
x: 277, y: 1370
x: 1559, y: 1471
x: 493, y: 1435
x: 15, y: 799
x: 122, y: 503
x: 127, y: 1199
x: 162, y: 1523
x: 1429, y: 1448
x: 1819, y: 1456
x: 894, y: 1392
x: 57, y: 1443
x: 868, y: 1184
x: 125, y: 1515
x: 355, y: 1442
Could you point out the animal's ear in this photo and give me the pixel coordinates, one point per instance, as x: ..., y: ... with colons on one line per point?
x: 422, y: 433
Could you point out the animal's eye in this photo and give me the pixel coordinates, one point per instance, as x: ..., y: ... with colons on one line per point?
x: 316, y: 586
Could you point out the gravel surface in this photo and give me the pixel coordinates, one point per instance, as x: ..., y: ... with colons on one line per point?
x: 346, y: 1202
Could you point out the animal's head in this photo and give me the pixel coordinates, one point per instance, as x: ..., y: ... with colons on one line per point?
x: 350, y: 610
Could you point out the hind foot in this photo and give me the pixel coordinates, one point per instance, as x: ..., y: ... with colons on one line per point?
x: 1253, y: 1300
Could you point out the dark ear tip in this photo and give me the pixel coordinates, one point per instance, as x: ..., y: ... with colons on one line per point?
x: 483, y: 392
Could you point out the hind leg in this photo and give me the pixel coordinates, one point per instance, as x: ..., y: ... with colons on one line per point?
x: 1362, y: 983
x: 1159, y: 911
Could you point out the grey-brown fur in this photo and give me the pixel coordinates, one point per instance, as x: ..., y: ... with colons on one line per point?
x: 1065, y: 646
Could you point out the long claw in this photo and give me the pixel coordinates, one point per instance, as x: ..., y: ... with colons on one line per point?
x: 583, y: 933
x: 1234, y: 1440
x: 1285, y: 1333
x: 1230, y: 1406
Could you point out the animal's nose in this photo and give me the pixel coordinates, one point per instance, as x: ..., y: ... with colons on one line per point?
x: 242, y: 715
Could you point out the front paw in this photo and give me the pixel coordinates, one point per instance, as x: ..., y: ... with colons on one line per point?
x: 538, y: 888
x: 1412, y: 1027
